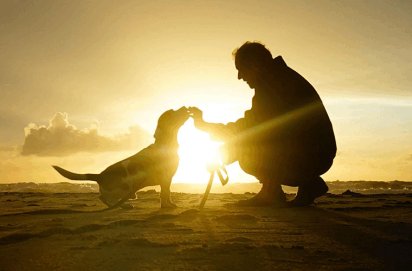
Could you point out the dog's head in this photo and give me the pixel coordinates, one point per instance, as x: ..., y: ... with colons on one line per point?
x: 170, y: 122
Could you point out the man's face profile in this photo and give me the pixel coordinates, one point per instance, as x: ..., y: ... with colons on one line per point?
x: 247, y: 73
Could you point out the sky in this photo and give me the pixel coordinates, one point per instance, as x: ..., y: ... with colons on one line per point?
x: 82, y: 83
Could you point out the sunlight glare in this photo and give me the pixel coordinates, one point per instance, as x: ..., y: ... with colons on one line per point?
x: 196, y: 151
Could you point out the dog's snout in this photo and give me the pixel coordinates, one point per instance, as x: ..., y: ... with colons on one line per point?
x: 184, y: 109
x: 184, y: 112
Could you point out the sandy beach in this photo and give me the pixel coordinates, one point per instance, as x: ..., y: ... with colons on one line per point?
x: 66, y: 231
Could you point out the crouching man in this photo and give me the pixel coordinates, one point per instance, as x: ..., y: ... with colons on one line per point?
x: 286, y: 138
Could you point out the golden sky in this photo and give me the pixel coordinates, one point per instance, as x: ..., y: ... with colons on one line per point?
x: 112, y: 67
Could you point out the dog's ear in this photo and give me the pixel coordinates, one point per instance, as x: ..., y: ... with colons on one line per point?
x: 161, y: 123
x: 157, y: 132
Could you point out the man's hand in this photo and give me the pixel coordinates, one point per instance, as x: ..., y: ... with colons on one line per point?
x: 196, y: 113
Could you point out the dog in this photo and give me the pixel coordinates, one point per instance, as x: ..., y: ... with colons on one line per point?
x: 153, y: 165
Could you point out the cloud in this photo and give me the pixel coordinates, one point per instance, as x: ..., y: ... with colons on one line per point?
x: 62, y: 138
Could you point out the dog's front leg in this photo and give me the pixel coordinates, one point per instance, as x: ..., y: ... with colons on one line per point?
x: 165, y: 201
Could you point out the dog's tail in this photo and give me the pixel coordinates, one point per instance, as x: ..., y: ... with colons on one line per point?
x: 76, y: 176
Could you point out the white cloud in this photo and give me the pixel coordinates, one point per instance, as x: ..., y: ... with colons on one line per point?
x: 63, y: 138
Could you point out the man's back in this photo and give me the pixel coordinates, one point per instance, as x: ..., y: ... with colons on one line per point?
x: 290, y: 111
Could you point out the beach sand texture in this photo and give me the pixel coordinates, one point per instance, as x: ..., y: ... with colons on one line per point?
x: 63, y: 231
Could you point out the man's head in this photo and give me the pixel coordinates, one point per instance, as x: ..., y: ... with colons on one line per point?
x: 251, y: 59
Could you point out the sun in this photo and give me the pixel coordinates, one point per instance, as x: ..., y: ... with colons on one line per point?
x: 196, y: 151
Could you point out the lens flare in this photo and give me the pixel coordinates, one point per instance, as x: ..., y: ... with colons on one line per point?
x: 197, y: 151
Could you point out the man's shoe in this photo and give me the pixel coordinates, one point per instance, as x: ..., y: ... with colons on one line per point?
x: 262, y: 199
x: 309, y: 192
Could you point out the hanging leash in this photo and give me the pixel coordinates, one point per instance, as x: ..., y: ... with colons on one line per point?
x: 218, y: 169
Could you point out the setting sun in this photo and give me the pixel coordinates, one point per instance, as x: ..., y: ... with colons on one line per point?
x: 196, y: 151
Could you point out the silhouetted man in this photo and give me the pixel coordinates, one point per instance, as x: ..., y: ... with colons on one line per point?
x: 286, y: 138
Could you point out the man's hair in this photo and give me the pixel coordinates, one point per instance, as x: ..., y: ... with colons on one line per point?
x: 251, y: 52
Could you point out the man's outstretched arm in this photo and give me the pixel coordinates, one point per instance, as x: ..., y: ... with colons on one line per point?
x: 217, y: 131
